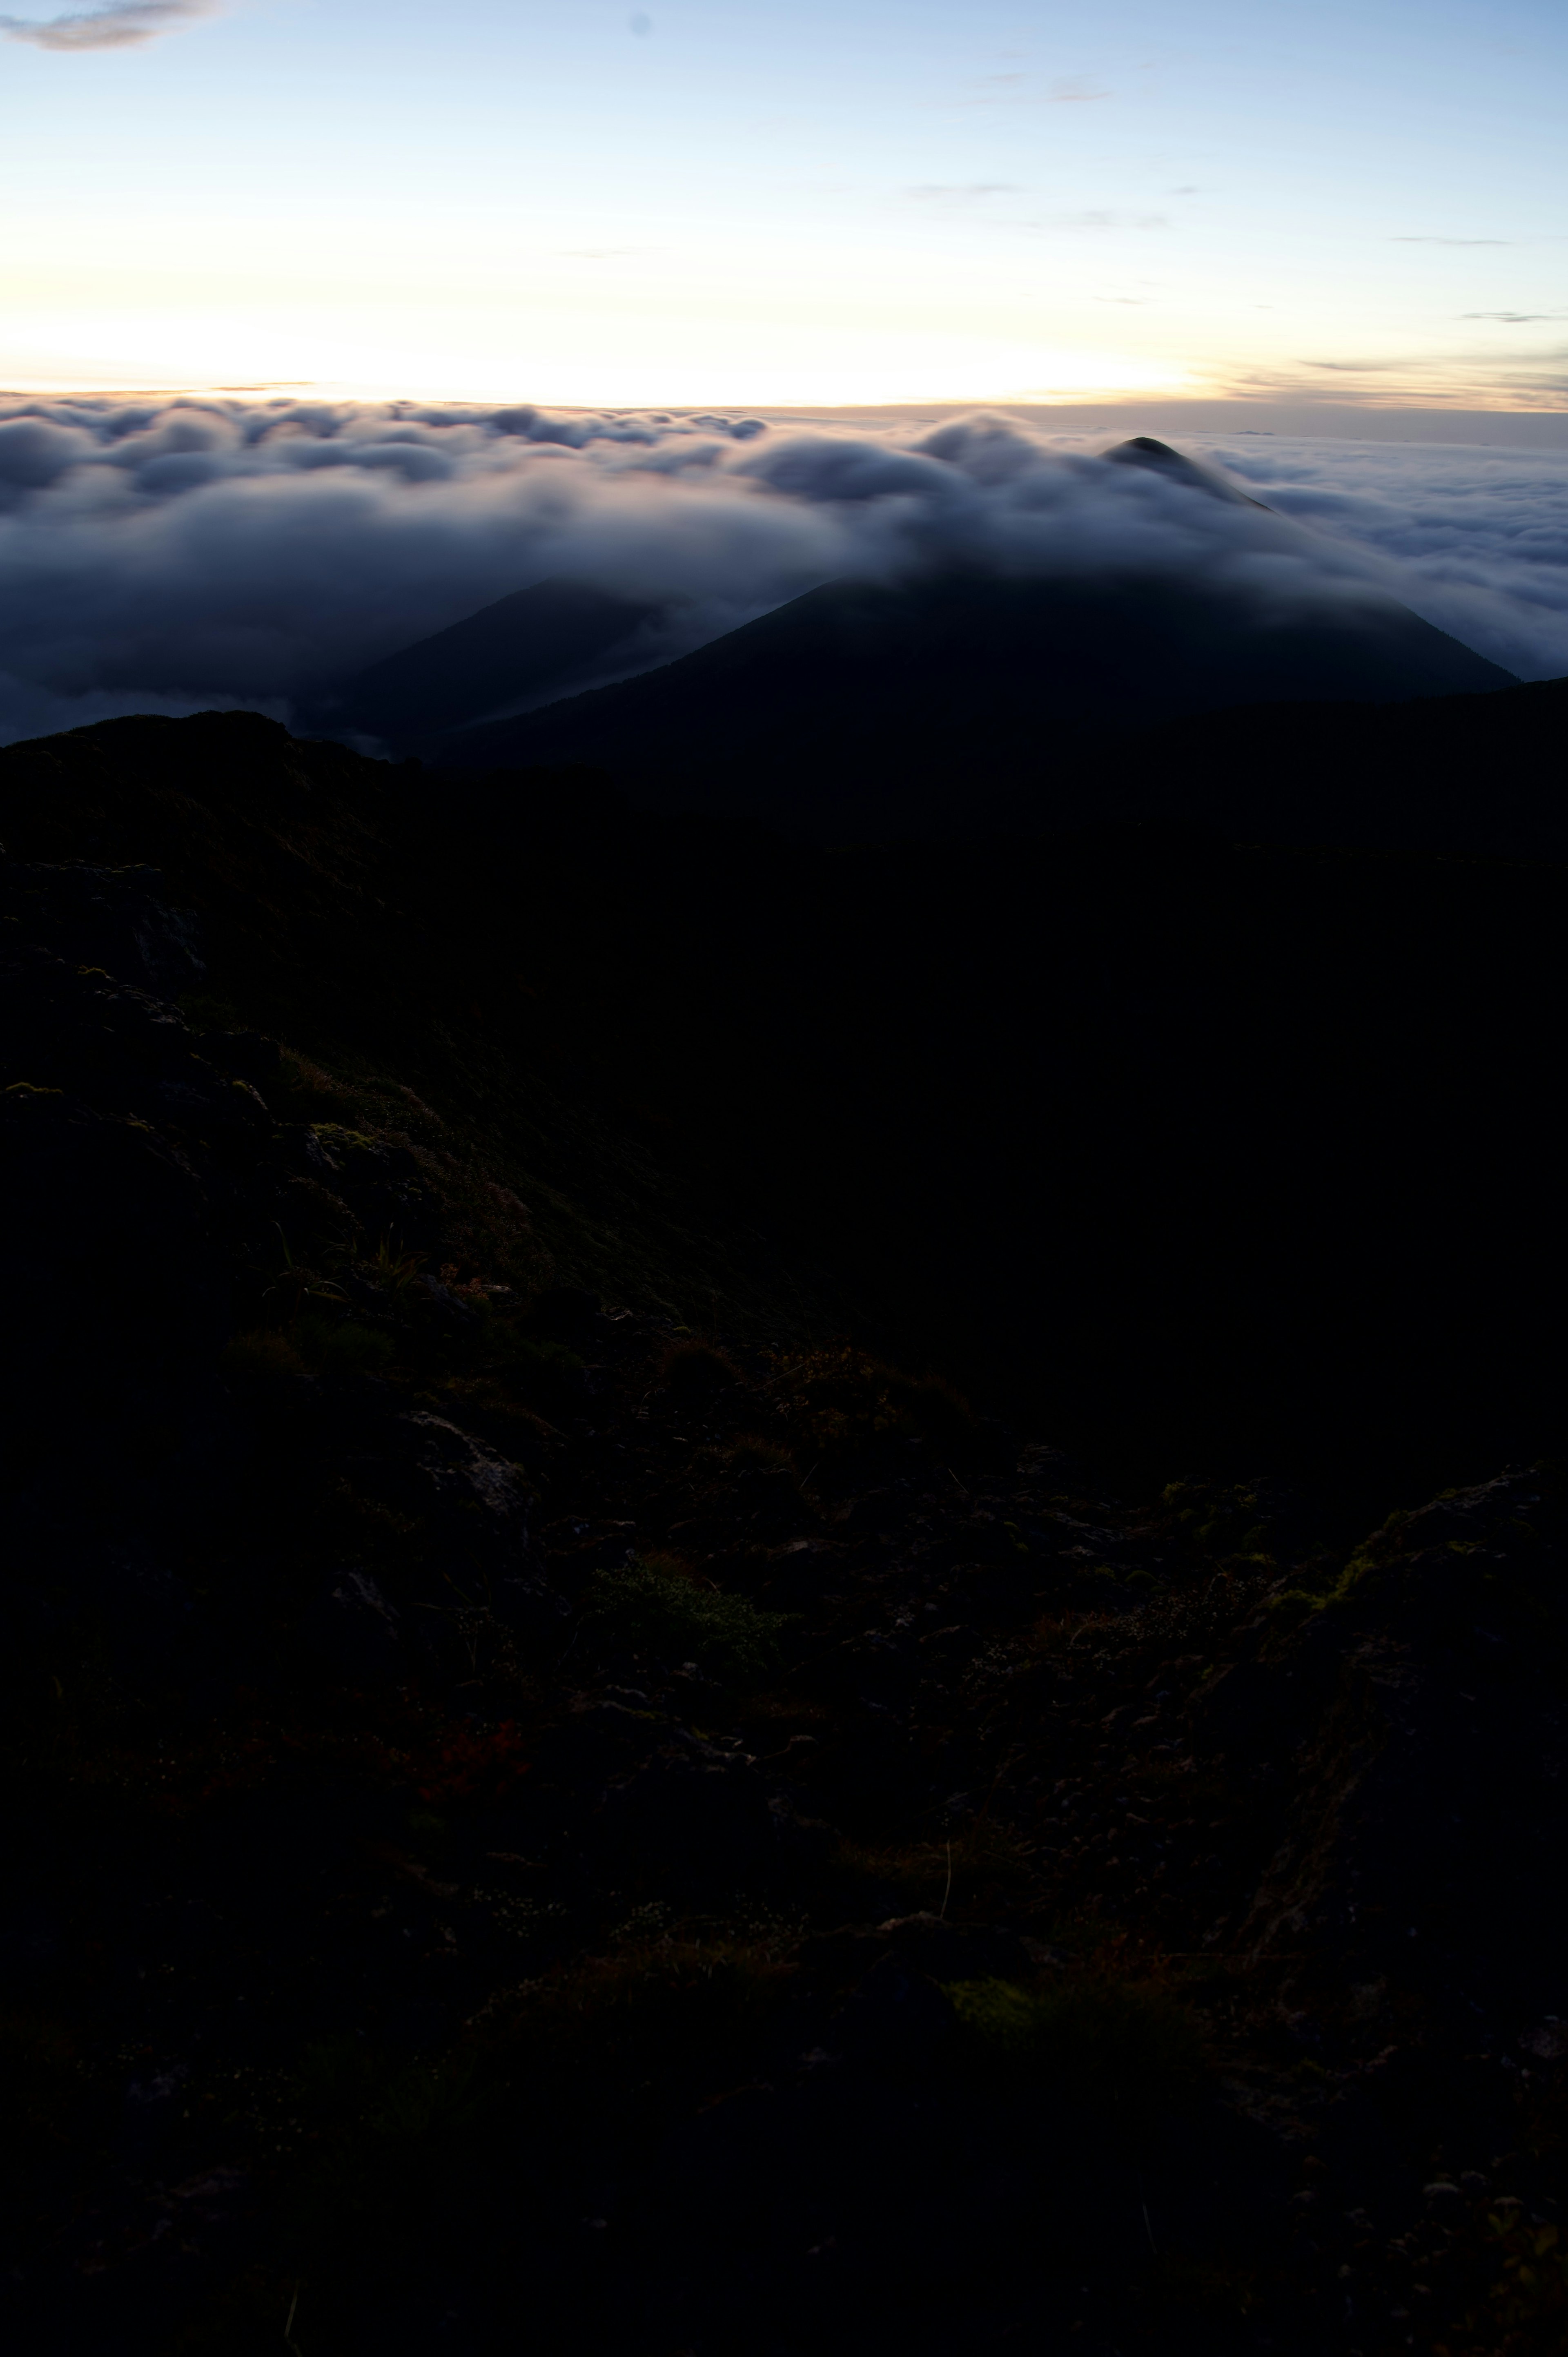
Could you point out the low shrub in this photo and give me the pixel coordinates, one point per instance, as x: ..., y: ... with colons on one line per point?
x: 475, y: 1763
x: 654, y: 1606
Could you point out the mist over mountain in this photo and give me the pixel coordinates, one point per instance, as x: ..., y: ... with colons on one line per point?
x: 966, y: 701
x: 179, y: 555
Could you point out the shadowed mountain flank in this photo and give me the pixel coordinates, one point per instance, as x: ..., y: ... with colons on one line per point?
x: 866, y: 710
x: 1478, y: 774
x: 538, y: 639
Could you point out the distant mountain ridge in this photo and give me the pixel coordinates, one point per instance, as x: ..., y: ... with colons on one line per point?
x: 537, y: 638
x: 861, y: 709
x: 962, y: 704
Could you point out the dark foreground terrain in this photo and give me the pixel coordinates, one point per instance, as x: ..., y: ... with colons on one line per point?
x: 567, y: 1791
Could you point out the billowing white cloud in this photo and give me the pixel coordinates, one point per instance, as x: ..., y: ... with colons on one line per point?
x: 118, y: 25
x: 1475, y: 536
x: 159, y: 555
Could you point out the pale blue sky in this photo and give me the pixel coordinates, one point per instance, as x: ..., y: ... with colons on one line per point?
x: 761, y: 203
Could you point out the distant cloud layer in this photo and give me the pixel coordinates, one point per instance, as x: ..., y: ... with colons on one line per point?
x: 119, y: 25
x: 171, y: 555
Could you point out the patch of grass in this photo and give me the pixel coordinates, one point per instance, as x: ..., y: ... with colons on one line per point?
x: 1214, y: 2287
x: 655, y: 1607
x: 262, y: 1354
x: 339, y: 1347
x: 545, y: 1374
x: 398, y: 1271
x: 752, y: 1454
x: 520, y: 1431
x: 339, y: 1138
x: 695, y: 1371
x: 1123, y: 2048
x: 984, y: 1861
x: 841, y: 1401
x: 653, y: 2009
x: 303, y: 1089
x: 383, y: 2131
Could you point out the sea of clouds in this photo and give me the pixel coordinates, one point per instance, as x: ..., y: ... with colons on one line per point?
x: 168, y: 555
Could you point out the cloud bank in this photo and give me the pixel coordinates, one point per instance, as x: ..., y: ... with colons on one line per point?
x: 119, y: 25
x: 174, y: 554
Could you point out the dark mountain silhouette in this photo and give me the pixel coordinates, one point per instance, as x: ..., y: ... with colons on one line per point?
x: 534, y: 1827
x: 537, y: 638
x: 863, y: 710
x: 1483, y: 774
x: 1159, y: 458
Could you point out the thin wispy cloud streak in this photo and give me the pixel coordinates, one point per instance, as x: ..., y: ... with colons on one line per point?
x: 122, y: 25
x: 171, y: 555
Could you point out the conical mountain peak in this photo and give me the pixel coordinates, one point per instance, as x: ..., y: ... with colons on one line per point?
x: 1159, y: 458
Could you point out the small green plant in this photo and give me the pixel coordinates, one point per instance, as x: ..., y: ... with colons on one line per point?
x: 654, y: 1606
x: 1122, y: 2047
x: 1534, y: 2287
x: 397, y: 1271
x: 296, y: 1283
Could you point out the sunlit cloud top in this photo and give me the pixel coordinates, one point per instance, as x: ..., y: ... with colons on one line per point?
x: 159, y: 555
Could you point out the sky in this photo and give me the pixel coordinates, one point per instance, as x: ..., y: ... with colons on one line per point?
x: 828, y: 202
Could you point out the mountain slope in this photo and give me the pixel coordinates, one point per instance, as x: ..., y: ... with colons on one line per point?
x: 538, y: 637
x: 1118, y: 1130
x: 531, y: 1830
x: 861, y: 710
x: 1483, y: 774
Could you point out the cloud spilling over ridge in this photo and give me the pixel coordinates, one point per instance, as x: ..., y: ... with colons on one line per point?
x: 169, y: 555
x: 118, y: 25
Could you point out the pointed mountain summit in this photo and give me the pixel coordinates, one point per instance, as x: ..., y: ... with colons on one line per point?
x: 1159, y: 458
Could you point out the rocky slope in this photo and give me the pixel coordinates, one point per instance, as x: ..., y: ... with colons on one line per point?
x: 535, y: 1824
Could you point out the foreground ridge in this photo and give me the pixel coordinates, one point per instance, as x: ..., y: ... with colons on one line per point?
x: 537, y: 1823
